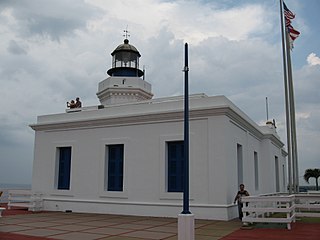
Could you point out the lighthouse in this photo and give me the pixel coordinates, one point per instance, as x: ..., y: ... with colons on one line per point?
x: 125, y: 156
x: 125, y: 82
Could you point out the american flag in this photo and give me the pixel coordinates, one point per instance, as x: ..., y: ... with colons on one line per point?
x: 293, y: 33
x: 288, y: 16
x: 288, y: 22
x: 287, y: 13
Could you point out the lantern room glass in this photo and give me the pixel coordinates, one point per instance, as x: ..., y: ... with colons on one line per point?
x: 125, y: 59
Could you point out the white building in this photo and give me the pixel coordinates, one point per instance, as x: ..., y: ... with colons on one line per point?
x: 125, y: 156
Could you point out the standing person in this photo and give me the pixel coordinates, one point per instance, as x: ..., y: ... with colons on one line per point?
x: 241, y: 193
x: 78, y: 103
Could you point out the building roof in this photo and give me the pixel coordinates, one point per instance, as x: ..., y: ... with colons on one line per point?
x: 154, y: 110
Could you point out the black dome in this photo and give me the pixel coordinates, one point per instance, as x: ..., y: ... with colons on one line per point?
x: 125, y: 46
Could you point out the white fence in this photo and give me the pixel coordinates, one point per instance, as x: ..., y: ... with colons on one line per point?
x: 308, y: 205
x: 280, y: 208
x: 25, y: 199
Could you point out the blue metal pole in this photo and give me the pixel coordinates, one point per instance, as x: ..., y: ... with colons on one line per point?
x: 186, y: 136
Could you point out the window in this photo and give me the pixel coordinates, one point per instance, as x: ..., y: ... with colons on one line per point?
x: 276, y: 161
x: 114, y: 163
x: 256, y: 170
x: 64, y: 165
x: 240, y: 164
x: 175, y: 166
x: 283, y: 177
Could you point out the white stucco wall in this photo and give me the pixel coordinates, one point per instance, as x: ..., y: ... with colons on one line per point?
x: 216, y: 127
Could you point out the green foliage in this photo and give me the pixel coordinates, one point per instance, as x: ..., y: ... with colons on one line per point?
x: 312, y: 173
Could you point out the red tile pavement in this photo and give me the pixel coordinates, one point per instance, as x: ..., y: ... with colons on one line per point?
x: 299, y: 231
x: 12, y: 236
x: 15, y: 211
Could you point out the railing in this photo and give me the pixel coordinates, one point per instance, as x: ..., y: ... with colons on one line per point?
x: 261, y: 208
x: 308, y: 205
x: 280, y: 208
x: 4, y: 195
x: 1, y: 208
x: 25, y: 199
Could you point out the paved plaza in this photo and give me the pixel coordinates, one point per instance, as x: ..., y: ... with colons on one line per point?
x: 24, y: 225
x: 86, y: 226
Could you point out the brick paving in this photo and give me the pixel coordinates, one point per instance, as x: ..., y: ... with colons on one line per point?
x: 24, y: 225
x: 299, y: 231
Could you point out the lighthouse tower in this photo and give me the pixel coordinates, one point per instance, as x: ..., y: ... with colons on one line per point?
x: 125, y: 83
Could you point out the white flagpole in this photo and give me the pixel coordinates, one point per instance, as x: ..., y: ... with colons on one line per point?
x: 288, y: 122
x: 292, y: 119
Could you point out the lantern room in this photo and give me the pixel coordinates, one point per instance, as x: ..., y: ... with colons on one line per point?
x: 125, y: 61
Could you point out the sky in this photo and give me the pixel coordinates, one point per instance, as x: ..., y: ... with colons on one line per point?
x: 54, y: 51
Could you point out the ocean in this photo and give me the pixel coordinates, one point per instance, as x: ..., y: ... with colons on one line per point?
x: 4, y: 187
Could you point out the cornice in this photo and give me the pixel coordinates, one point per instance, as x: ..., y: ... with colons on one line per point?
x: 176, y: 115
x: 152, y: 118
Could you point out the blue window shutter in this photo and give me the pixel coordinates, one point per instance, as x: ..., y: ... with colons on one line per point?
x: 64, y: 168
x: 175, y: 166
x: 115, y: 167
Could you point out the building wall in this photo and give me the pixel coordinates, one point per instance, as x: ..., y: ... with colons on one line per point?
x: 144, y: 167
x: 213, y: 167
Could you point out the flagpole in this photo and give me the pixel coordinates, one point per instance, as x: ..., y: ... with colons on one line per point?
x: 286, y: 98
x: 293, y: 120
x: 291, y: 111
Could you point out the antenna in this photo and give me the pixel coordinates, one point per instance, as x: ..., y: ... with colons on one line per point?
x: 267, y: 108
x: 126, y: 33
x: 144, y: 71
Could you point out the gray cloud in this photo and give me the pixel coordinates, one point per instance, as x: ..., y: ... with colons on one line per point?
x: 16, y: 163
x: 53, y: 19
x: 15, y: 48
x: 164, y: 63
x: 307, y: 84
